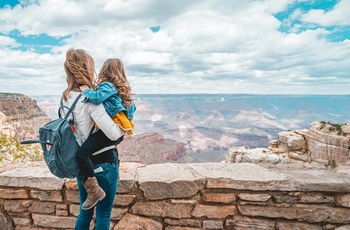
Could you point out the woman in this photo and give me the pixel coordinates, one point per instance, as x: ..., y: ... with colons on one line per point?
x: 80, y: 70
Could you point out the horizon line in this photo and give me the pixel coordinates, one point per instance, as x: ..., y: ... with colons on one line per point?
x: 213, y: 94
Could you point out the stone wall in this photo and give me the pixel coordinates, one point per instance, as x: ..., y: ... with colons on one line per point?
x: 184, y: 196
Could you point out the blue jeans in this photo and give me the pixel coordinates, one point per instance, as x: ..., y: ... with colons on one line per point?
x: 108, y: 180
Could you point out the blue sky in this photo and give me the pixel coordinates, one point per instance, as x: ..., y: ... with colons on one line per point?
x: 183, y: 46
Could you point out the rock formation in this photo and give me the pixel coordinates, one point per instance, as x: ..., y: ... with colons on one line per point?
x: 256, y: 156
x: 325, y: 143
x: 20, y: 116
x: 150, y: 148
x: 329, y: 142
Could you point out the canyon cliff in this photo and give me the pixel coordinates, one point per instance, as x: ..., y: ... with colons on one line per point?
x: 20, y: 116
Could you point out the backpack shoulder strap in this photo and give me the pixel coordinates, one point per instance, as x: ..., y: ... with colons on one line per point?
x: 70, y: 109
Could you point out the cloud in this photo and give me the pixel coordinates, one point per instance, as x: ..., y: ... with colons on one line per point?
x: 202, y: 47
x: 8, y: 42
x: 338, y: 16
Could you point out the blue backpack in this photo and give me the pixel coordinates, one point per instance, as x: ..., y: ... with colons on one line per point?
x: 59, y: 144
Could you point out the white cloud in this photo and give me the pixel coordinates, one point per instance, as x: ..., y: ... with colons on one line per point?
x: 207, y: 46
x: 8, y: 42
x: 339, y: 15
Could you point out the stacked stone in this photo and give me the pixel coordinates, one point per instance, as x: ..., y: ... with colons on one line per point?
x: 185, y: 196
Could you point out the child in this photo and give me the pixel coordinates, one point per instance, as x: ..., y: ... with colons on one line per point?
x: 115, y: 93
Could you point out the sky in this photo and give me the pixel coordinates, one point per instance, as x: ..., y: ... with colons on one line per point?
x: 181, y: 46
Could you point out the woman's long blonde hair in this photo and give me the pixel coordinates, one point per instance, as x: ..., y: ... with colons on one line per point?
x: 113, y: 71
x: 80, y: 70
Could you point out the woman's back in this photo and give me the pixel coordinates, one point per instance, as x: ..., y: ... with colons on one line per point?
x: 86, y: 115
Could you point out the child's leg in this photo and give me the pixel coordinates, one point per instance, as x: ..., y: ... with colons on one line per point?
x: 95, y: 142
x: 94, y: 191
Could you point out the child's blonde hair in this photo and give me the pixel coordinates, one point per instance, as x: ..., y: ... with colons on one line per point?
x: 113, y: 71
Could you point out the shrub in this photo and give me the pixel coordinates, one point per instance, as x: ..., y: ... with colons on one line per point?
x: 12, y: 151
x: 333, y: 127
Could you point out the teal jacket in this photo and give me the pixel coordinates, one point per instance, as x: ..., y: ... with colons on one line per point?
x: 107, y: 94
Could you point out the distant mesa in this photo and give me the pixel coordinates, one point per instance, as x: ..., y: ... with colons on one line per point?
x: 150, y: 148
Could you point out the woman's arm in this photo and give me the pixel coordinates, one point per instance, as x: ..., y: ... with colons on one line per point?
x: 105, y: 122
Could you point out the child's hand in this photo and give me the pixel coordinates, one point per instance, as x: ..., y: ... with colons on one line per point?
x: 83, y: 87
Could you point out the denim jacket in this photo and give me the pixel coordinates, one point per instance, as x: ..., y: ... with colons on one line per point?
x: 109, y: 96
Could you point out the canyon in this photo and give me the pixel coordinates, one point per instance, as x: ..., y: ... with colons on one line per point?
x: 208, y: 125
x: 198, y: 128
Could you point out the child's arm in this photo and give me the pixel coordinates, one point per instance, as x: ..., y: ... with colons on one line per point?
x: 103, y: 92
x: 131, y: 110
